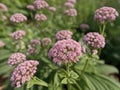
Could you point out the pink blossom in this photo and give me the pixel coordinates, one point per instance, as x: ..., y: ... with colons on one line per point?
x: 71, y: 12
x: 69, y: 5
x: 63, y: 34
x: 46, y: 41
x: 40, y: 17
x: 18, y: 17
x: 53, y: 9
x: 23, y: 72
x: 65, y: 51
x: 31, y: 7
x: 17, y: 35
x: 105, y: 14
x: 2, y: 44
x: 39, y: 4
x: 84, y: 26
x: 3, y: 7
x: 94, y: 40
x: 16, y: 58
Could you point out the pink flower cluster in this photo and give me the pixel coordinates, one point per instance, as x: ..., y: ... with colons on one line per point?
x: 63, y: 34
x: 18, y: 17
x: 94, y: 40
x: 105, y: 14
x: 3, y: 7
x: 46, y: 41
x: 2, y: 44
x: 69, y: 5
x: 40, y: 17
x: 35, y: 42
x: 39, y: 4
x: 31, y: 7
x: 31, y: 50
x: 53, y: 9
x: 23, y: 72
x: 84, y: 26
x: 16, y: 58
x: 65, y: 51
x: 17, y: 35
x: 71, y: 12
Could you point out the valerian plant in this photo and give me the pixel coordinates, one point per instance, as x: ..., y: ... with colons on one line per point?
x: 52, y: 60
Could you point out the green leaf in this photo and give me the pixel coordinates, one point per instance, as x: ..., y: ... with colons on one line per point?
x: 73, y: 75
x: 36, y: 81
x: 64, y: 81
x: 106, y: 69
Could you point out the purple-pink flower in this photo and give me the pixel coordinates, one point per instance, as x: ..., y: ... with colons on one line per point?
x: 40, y: 17
x: 35, y: 42
x: 3, y: 7
x: 63, y: 34
x: 71, y: 12
x: 23, y: 72
x: 31, y: 7
x: 94, y: 40
x: 69, y: 5
x: 17, y: 35
x: 53, y: 9
x: 2, y: 44
x: 46, y: 41
x: 65, y: 51
x: 16, y: 58
x: 18, y: 17
x: 31, y: 50
x: 39, y: 4
x: 105, y: 14
x: 84, y: 26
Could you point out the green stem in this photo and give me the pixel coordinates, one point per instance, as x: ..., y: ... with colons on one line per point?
x: 85, y: 66
x: 103, y: 30
x: 68, y: 76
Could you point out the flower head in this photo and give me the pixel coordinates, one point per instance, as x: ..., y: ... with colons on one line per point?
x: 23, y: 72
x: 69, y: 5
x: 39, y: 4
x: 31, y: 7
x: 3, y: 7
x: 63, y: 34
x: 40, y: 17
x: 35, y: 42
x: 2, y: 44
x: 18, y: 17
x: 94, y: 40
x: 16, y: 58
x: 105, y: 14
x: 17, y: 35
x: 31, y: 50
x: 84, y: 26
x: 65, y: 51
x: 71, y: 12
x: 46, y: 41
x: 53, y: 9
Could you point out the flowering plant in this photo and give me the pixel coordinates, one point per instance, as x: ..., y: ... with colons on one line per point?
x: 44, y: 55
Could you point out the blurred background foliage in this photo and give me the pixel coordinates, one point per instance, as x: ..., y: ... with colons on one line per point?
x: 86, y: 9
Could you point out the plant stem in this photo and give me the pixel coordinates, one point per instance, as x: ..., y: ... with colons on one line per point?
x: 85, y: 66
x: 68, y: 75
x: 103, y: 29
